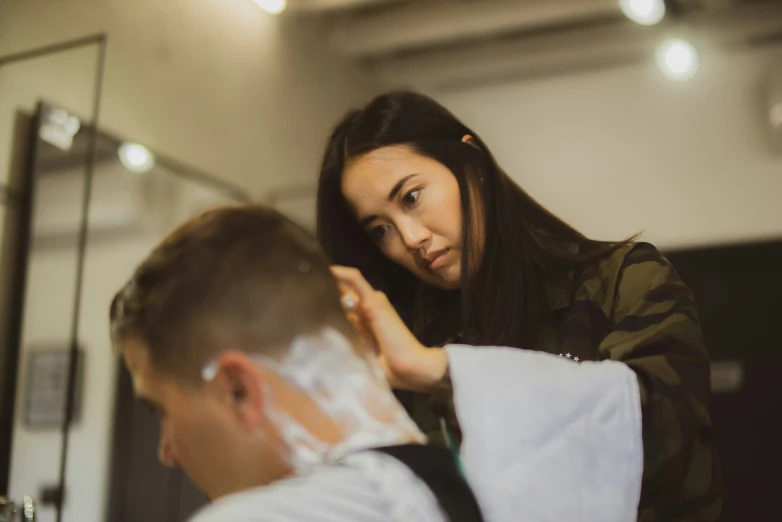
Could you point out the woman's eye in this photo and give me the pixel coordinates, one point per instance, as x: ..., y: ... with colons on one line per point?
x: 411, y: 198
x: 378, y: 232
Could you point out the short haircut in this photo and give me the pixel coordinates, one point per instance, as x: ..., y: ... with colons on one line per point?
x: 237, y: 277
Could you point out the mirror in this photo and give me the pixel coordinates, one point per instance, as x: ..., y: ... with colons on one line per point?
x: 135, y: 198
x: 138, y: 197
x: 31, y: 455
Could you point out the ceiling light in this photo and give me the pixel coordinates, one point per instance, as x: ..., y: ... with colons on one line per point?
x: 776, y: 116
x: 678, y: 60
x: 644, y: 12
x: 136, y: 158
x: 272, y: 6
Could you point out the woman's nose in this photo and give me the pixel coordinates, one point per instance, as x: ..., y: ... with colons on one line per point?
x: 414, y: 236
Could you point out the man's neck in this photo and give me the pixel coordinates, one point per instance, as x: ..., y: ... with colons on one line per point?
x: 385, y: 423
x: 324, y: 427
x: 329, y: 402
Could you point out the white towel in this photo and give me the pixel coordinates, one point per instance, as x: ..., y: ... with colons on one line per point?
x: 547, y: 438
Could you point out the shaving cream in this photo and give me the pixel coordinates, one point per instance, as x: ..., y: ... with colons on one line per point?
x: 343, y: 385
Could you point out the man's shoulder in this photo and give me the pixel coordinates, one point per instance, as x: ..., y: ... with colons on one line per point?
x: 366, y: 487
x: 318, y: 496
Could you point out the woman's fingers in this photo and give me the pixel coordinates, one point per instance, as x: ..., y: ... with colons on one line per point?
x: 350, y: 302
x: 399, y: 351
x: 352, y: 278
x: 348, y: 297
x: 372, y: 304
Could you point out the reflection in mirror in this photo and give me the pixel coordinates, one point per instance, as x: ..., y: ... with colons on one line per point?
x: 30, y: 456
x: 14, y: 212
x: 136, y: 198
x: 46, y: 319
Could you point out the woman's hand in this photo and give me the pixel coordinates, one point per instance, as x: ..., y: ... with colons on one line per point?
x: 406, y: 362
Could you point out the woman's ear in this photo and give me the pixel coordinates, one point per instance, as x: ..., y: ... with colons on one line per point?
x: 469, y: 140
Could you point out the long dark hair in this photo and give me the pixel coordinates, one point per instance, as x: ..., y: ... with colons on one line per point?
x: 502, y: 299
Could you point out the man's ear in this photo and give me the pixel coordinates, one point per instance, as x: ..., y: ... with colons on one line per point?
x: 239, y: 385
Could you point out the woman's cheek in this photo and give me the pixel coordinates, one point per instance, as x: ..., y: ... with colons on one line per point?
x: 394, y: 251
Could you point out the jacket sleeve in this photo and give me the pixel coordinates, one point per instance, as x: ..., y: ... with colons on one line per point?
x: 656, y: 332
x: 443, y: 405
x: 435, y: 412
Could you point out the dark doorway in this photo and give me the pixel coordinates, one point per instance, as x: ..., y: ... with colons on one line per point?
x: 143, y: 490
x: 739, y: 294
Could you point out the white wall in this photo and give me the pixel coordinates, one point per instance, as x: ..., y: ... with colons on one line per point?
x: 217, y: 84
x: 617, y: 151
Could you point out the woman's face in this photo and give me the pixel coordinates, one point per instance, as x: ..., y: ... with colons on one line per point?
x: 410, y: 206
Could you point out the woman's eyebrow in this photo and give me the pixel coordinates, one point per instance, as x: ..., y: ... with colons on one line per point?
x: 391, y: 196
x: 399, y: 184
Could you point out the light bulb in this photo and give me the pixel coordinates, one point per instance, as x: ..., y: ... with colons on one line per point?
x: 272, y: 6
x: 135, y: 157
x: 678, y: 60
x: 644, y: 12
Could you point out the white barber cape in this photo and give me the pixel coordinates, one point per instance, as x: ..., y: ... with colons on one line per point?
x: 548, y: 439
x: 363, y: 487
x: 545, y: 439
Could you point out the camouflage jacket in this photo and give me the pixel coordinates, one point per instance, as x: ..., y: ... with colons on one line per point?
x: 633, y: 307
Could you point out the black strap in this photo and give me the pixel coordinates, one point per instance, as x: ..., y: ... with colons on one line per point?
x: 437, y: 468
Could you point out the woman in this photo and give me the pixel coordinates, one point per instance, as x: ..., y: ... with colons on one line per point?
x: 414, y: 202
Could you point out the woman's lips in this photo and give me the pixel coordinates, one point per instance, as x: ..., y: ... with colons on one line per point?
x: 439, y: 260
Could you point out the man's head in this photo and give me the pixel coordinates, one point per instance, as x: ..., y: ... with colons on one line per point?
x: 229, y: 287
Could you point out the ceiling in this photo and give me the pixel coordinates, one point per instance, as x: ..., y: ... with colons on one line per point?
x: 442, y: 44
